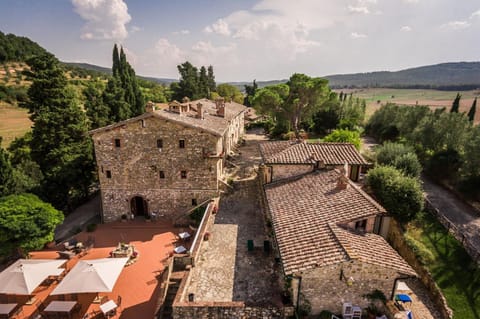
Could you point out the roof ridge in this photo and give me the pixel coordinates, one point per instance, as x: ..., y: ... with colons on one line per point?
x: 349, y: 251
x: 367, y: 197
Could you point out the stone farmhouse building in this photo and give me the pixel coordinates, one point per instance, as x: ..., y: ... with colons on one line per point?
x: 167, y: 160
x: 328, y: 233
x: 290, y: 158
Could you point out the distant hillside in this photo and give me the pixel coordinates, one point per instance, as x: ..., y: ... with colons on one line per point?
x: 445, y: 76
x: 101, y: 69
x: 15, y: 48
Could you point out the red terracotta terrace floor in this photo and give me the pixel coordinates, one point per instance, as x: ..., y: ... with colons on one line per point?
x: 138, y: 283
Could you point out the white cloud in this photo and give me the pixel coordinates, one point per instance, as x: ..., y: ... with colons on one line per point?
x: 476, y: 14
x: 182, y: 32
x: 411, y: 1
x: 135, y: 29
x: 105, y: 19
x: 356, y: 35
x: 457, y: 25
x: 406, y: 28
x: 363, y: 10
x: 220, y: 27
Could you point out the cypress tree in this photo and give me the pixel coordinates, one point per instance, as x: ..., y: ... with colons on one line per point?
x: 212, y: 86
x: 456, y: 104
x: 114, y: 98
x: 116, y: 61
x: 473, y: 110
x: 203, y: 83
x: 98, y: 113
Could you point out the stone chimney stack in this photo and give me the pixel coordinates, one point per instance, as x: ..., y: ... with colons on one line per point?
x: 220, y: 105
x: 342, y: 182
x: 150, y: 107
x: 200, y: 111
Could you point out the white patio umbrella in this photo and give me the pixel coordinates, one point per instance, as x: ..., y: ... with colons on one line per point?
x: 24, y: 275
x: 91, y: 276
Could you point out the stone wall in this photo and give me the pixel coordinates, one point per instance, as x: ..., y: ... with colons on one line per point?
x: 397, y: 240
x: 225, y: 310
x: 135, y: 166
x: 327, y: 288
x: 281, y: 171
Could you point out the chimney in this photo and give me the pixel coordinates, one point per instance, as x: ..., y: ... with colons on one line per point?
x: 342, y: 182
x: 220, y: 105
x: 150, y: 107
x: 200, y: 111
x: 319, y: 164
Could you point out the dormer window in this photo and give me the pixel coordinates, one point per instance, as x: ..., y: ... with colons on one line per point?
x: 361, y: 225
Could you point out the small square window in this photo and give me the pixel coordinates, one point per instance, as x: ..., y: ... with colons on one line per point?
x: 162, y: 174
x: 183, y: 174
x: 194, y: 202
x: 361, y: 225
x: 160, y: 143
x: 109, y: 174
x: 117, y: 142
x: 181, y: 143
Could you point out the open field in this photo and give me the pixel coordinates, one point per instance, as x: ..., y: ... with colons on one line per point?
x: 14, y: 123
x: 375, y: 97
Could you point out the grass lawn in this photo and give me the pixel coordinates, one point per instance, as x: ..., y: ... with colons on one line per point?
x: 14, y: 123
x: 452, y: 268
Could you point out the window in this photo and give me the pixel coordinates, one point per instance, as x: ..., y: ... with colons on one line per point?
x: 144, y: 123
x: 109, y: 174
x: 194, y: 202
x: 162, y: 174
x: 181, y: 143
x: 160, y: 143
x: 117, y: 142
x: 183, y: 174
x: 101, y: 168
x: 361, y: 225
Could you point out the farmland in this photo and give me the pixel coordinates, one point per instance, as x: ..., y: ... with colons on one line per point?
x: 14, y: 123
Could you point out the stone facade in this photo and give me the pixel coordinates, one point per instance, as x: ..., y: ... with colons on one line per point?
x: 328, y: 287
x: 153, y: 163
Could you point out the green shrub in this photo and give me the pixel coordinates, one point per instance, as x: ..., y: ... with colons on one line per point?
x: 409, y: 165
x: 400, y: 195
x: 344, y: 136
x: 390, y: 151
x: 325, y: 314
x: 424, y: 255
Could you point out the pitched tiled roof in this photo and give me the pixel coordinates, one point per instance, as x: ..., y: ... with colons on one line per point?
x: 211, y: 122
x: 370, y: 248
x: 286, y: 152
x: 301, y: 210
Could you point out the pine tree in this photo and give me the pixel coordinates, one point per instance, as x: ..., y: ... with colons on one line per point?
x: 456, y: 104
x: 250, y: 91
x: 60, y: 144
x: 189, y: 82
x: 473, y: 110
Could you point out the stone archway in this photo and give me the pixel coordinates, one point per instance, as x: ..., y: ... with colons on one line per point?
x: 138, y: 206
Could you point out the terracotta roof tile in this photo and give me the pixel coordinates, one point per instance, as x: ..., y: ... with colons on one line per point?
x: 370, y: 248
x: 301, y: 210
x: 287, y: 152
x: 211, y: 122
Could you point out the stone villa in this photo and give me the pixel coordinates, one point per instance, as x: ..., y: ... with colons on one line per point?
x: 168, y: 160
x: 328, y: 231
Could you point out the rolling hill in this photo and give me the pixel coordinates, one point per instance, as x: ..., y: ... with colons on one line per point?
x: 444, y: 76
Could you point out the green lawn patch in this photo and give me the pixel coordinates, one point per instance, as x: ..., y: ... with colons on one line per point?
x: 453, y: 270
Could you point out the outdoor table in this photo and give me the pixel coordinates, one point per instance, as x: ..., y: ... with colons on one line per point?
x: 6, y: 309
x: 180, y: 250
x: 108, y: 307
x: 60, y: 307
x: 185, y: 235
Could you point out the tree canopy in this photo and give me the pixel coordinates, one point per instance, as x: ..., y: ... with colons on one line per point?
x: 26, y: 222
x: 229, y: 92
x: 15, y: 48
x: 60, y: 144
x: 194, y: 83
x: 344, y: 136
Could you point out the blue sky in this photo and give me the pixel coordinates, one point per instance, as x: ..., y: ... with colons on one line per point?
x: 252, y: 39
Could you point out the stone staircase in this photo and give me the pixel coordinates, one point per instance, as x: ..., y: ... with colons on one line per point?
x: 167, y: 309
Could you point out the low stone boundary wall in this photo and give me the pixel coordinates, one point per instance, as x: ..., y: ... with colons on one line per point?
x: 397, y: 240
x: 225, y: 310
x: 471, y: 249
